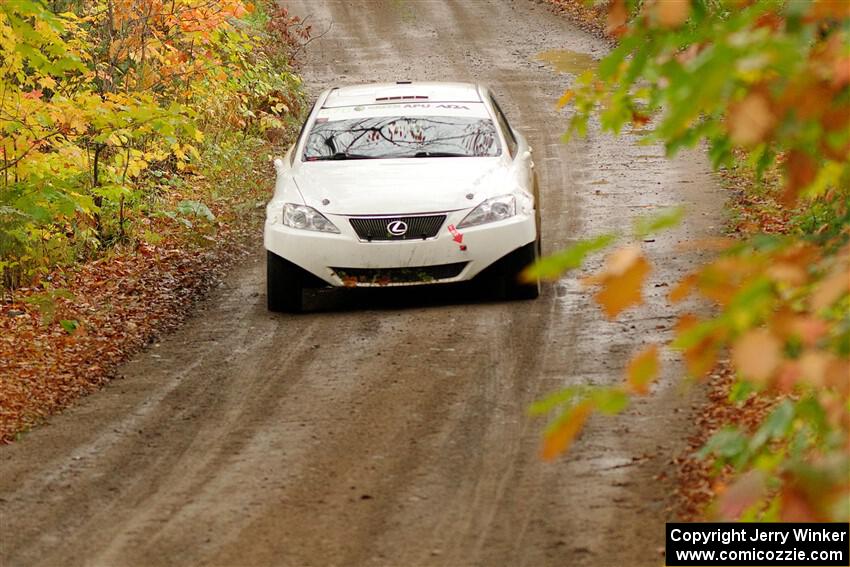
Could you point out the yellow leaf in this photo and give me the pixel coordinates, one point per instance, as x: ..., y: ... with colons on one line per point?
x: 642, y: 370
x: 559, y: 439
x: 757, y: 354
x: 47, y: 82
x: 193, y: 151
x: 565, y: 98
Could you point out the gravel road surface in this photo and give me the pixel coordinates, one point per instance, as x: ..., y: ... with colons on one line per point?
x: 388, y: 428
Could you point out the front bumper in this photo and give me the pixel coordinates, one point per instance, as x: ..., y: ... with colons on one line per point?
x: 320, y: 253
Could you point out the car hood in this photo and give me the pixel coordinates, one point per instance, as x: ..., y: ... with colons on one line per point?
x: 400, y: 186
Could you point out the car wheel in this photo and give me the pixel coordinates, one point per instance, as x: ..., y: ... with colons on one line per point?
x: 522, y: 258
x: 284, y: 284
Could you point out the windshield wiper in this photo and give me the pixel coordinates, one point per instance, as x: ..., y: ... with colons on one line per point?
x: 340, y: 156
x: 439, y: 154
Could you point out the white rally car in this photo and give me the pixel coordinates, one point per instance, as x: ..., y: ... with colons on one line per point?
x: 402, y: 184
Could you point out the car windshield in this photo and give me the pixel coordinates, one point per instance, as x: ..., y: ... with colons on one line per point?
x: 402, y: 137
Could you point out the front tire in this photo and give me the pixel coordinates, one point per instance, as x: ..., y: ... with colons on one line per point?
x: 515, y: 288
x: 284, y: 285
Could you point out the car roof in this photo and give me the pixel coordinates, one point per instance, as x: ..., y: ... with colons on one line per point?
x: 402, y: 91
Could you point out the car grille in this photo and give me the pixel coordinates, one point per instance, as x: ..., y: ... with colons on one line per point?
x: 377, y: 228
x: 384, y: 276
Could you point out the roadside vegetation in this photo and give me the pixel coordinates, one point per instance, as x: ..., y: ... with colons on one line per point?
x: 136, y: 139
x: 764, y: 85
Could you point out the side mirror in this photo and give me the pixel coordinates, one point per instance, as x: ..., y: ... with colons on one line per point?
x: 280, y: 165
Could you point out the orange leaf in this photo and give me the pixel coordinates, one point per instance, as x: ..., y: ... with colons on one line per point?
x: 642, y: 370
x: 757, y: 354
x: 721, y: 280
x: 639, y: 119
x: 702, y: 357
x: 796, y: 506
x: 621, y: 280
x: 561, y: 437
x: 814, y: 365
x: 565, y: 98
x: 682, y: 289
x: 841, y: 72
x: 750, y: 120
x: 787, y: 376
x: 836, y: 376
x: 746, y: 491
x: 801, y: 170
x: 830, y: 9
x: 686, y: 322
x: 786, y: 324
x: 831, y: 288
x: 618, y: 15
x: 672, y: 13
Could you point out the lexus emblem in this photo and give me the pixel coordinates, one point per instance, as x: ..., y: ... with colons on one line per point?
x: 397, y: 228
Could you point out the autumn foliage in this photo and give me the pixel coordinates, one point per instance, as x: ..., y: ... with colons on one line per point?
x: 135, y: 138
x: 766, y: 84
x: 106, y: 104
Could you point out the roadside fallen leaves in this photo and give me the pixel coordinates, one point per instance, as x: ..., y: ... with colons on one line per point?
x: 589, y: 16
x: 106, y: 310
x: 697, y: 484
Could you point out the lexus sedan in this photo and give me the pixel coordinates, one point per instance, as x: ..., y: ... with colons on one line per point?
x: 403, y: 184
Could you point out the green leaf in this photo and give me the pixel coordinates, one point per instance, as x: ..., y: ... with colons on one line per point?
x: 776, y: 426
x: 668, y: 218
x: 728, y: 444
x: 552, y: 401
x: 552, y: 266
x: 195, y: 208
x: 610, y: 401
x: 740, y: 391
x: 70, y: 325
x: 611, y: 63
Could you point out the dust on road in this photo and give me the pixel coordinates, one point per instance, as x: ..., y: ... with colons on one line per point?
x: 387, y: 428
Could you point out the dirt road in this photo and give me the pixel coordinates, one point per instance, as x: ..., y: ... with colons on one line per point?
x: 386, y: 428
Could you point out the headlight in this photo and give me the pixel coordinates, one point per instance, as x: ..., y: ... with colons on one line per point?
x: 491, y: 210
x: 306, y: 218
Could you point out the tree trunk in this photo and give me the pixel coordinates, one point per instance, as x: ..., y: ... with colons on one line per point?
x: 95, y: 182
